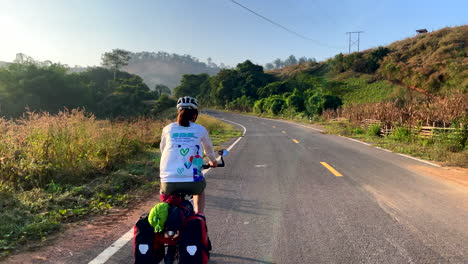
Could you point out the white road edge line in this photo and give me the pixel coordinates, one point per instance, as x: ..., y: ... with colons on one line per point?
x: 245, y: 129
x: 427, y: 162
x: 119, y: 243
x: 358, y: 141
x: 407, y: 156
x: 116, y: 246
x: 384, y: 149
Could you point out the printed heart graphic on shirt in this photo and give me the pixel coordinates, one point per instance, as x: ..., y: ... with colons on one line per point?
x: 188, y: 165
x: 180, y: 170
x: 184, y: 151
x: 198, y: 162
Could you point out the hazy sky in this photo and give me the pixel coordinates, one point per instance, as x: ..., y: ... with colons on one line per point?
x: 77, y: 32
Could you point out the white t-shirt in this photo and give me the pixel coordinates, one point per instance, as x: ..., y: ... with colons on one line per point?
x: 182, y: 152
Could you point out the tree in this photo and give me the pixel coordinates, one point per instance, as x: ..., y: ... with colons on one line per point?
x: 302, y: 60
x: 291, y: 60
x: 22, y: 58
x: 273, y: 88
x: 226, y: 86
x: 269, y: 66
x: 278, y: 63
x: 161, y: 88
x: 190, y: 85
x: 115, y: 59
x: 274, y: 104
x: 295, y: 101
x: 338, y: 63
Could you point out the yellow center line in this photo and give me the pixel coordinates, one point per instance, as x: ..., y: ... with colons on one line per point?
x: 284, y: 132
x: 295, y: 141
x: 330, y: 168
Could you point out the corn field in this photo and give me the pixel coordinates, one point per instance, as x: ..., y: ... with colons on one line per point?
x: 437, y: 111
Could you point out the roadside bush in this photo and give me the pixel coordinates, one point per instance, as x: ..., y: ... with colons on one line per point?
x: 272, y: 105
x: 258, y: 106
x: 243, y: 103
x: 454, y: 141
x: 402, y: 134
x: 373, y: 130
x: 358, y: 131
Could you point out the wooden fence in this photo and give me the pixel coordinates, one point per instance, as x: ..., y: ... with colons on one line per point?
x: 423, y: 131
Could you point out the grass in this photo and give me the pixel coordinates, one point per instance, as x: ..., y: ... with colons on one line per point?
x: 362, y: 90
x: 219, y: 131
x: 446, y: 148
x: 60, y: 169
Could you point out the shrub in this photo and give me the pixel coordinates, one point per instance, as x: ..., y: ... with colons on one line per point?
x: 402, y: 134
x: 454, y: 141
x: 258, y: 106
x: 358, y: 131
x: 373, y: 130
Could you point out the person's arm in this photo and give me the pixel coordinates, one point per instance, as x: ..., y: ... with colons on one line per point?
x: 208, y: 148
x: 162, y: 144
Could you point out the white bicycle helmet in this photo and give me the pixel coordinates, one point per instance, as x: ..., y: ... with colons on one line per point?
x: 187, y: 102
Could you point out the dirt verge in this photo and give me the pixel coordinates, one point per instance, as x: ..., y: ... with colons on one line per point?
x: 80, y: 242
x: 453, y: 174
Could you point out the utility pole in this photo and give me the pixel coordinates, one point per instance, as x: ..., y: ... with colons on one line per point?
x: 352, y: 43
x: 349, y: 45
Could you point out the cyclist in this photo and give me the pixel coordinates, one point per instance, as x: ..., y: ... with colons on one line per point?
x: 182, y: 145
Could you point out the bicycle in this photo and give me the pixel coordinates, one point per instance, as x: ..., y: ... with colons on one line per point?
x: 171, y: 238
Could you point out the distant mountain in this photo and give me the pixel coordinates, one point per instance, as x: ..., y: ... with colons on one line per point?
x: 167, y: 69
x: 4, y: 63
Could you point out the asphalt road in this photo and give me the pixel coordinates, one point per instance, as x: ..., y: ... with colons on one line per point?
x: 276, y: 202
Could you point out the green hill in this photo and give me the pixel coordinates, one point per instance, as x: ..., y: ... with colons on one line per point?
x: 435, y: 63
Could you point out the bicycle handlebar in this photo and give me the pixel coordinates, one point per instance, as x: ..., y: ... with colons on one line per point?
x: 207, y: 166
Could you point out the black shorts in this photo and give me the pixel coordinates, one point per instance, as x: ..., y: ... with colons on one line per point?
x: 173, y: 188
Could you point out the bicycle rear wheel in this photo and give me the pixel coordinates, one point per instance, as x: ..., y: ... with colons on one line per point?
x: 172, y: 255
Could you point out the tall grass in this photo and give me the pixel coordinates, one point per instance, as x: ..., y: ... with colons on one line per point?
x: 68, y: 147
x: 59, y: 168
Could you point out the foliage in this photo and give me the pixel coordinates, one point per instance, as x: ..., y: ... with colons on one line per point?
x: 444, y: 147
x: 164, y: 102
x: 190, y: 85
x: 274, y: 88
x: 289, y: 61
x: 49, y: 87
x: 402, y: 134
x: 367, y: 62
x: 434, y: 62
x: 274, y: 104
x: 364, y: 89
x: 115, y: 59
x: 243, y: 103
x: 373, y: 130
x: 162, y: 89
x: 295, y: 101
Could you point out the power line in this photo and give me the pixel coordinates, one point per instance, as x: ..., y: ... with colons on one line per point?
x: 354, y: 42
x: 282, y: 27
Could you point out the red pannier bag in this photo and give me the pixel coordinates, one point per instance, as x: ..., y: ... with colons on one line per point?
x: 194, y: 243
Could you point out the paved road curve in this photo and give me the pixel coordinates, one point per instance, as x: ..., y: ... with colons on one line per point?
x: 281, y: 200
